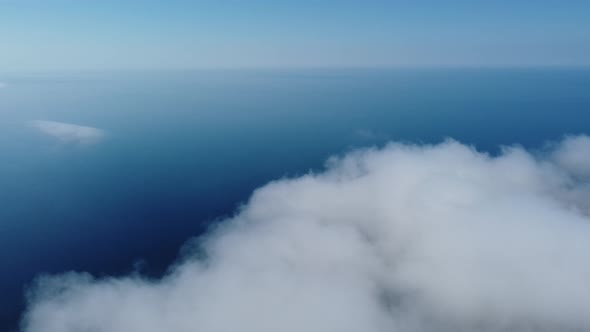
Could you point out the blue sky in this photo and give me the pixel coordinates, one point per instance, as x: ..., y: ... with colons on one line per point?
x: 175, y: 34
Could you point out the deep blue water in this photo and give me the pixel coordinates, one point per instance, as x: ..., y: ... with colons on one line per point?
x: 185, y: 148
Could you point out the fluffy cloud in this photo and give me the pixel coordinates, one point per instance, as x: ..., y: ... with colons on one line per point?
x: 406, y: 238
x: 69, y: 133
x: 574, y: 155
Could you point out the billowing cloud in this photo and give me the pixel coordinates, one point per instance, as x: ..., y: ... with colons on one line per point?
x: 405, y: 238
x: 69, y: 133
x: 574, y: 155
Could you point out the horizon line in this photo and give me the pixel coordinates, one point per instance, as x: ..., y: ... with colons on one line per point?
x: 296, y: 68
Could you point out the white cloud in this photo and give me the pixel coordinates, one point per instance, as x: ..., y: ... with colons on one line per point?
x: 69, y: 133
x: 406, y: 238
x: 574, y: 155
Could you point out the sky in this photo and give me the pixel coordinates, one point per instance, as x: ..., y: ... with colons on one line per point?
x: 68, y: 35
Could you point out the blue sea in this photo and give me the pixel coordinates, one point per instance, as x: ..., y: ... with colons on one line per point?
x: 181, y: 150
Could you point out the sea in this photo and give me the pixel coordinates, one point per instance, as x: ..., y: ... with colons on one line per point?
x: 180, y: 151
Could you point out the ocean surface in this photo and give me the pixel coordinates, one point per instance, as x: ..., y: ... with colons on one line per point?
x: 182, y: 150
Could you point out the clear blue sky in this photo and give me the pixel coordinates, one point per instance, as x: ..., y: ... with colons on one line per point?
x: 147, y: 34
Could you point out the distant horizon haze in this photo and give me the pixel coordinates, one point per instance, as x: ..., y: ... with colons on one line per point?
x: 113, y: 35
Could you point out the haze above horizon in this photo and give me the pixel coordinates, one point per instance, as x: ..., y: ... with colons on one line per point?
x: 64, y: 35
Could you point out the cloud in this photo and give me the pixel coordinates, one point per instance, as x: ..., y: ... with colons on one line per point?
x: 3, y: 85
x: 406, y: 238
x: 574, y: 155
x: 366, y: 134
x: 69, y: 133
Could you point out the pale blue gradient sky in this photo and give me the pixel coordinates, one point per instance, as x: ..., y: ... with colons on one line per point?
x: 117, y: 34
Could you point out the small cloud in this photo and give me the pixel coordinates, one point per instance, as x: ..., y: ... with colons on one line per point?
x: 3, y: 85
x: 365, y: 134
x: 69, y: 133
x: 369, y: 135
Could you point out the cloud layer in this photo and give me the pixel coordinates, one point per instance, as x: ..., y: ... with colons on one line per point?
x: 69, y: 133
x: 406, y: 238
